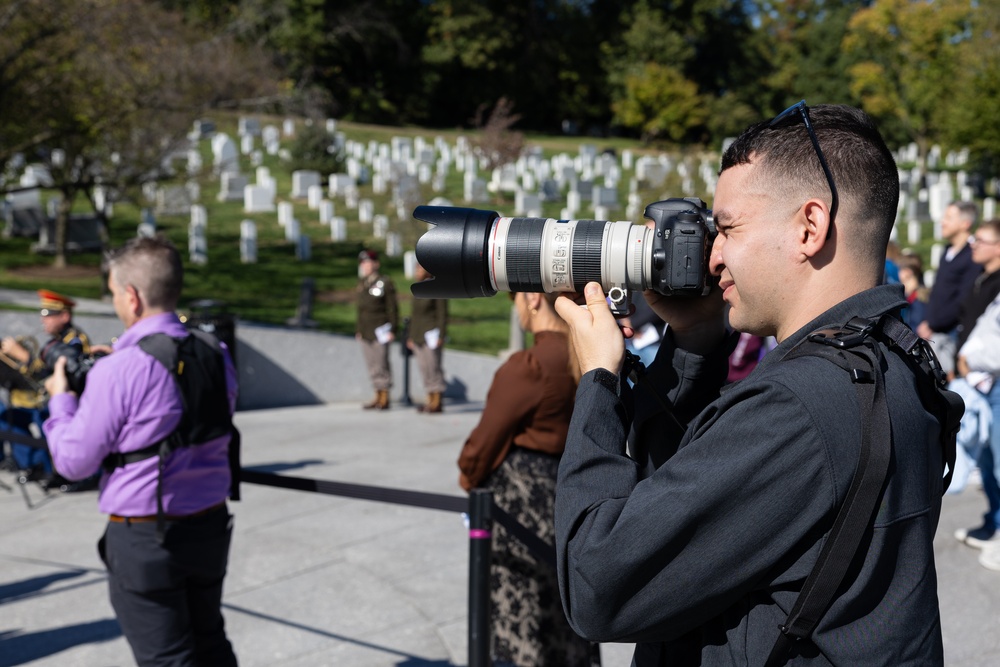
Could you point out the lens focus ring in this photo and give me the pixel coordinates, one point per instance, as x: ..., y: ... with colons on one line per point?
x: 524, y: 254
x: 588, y: 241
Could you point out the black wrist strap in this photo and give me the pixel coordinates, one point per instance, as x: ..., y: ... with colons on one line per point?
x: 856, y: 515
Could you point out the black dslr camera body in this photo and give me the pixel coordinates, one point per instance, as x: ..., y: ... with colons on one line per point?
x: 472, y: 253
x: 78, y: 364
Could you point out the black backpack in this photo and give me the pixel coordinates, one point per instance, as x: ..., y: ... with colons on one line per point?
x: 197, y: 364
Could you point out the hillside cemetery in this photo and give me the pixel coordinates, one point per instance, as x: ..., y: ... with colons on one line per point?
x: 382, y: 182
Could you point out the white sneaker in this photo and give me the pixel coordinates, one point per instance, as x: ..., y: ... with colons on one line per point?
x: 990, y: 557
x: 977, y: 538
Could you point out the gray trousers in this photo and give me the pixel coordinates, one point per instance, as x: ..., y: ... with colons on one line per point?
x: 377, y: 360
x: 429, y: 363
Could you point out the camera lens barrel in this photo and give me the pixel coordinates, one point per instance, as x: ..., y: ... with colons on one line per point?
x: 478, y: 253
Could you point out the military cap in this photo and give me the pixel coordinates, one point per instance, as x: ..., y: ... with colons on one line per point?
x: 368, y: 254
x: 51, y: 302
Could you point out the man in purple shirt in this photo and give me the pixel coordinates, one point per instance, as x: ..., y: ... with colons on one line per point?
x: 166, y: 589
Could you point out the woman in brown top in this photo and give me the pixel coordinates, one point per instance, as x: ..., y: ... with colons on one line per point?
x: 514, y: 451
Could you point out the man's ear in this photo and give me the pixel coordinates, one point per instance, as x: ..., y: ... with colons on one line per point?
x: 815, y: 227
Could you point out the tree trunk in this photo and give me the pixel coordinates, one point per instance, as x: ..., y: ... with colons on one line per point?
x: 62, y: 224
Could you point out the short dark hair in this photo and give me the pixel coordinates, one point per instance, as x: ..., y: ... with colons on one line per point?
x: 862, y: 166
x: 153, y: 266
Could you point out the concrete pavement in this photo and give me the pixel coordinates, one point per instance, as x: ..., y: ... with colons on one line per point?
x: 322, y: 580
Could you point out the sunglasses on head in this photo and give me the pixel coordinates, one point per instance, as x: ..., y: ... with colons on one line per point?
x: 803, y: 111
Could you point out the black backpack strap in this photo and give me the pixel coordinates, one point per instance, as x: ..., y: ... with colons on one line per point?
x: 864, y: 495
x: 935, y: 395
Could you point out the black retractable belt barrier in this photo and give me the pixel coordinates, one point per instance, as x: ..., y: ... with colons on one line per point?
x: 433, y: 501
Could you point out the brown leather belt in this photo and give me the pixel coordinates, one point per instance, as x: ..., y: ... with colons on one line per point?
x: 167, y: 517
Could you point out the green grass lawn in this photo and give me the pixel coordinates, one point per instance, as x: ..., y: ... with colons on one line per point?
x: 268, y: 291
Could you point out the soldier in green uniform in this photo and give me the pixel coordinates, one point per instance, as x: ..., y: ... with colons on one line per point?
x: 426, y: 341
x: 376, y: 328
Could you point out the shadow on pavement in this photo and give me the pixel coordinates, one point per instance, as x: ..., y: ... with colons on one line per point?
x: 18, y: 649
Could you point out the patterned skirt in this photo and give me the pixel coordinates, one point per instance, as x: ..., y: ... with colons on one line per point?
x: 529, y: 626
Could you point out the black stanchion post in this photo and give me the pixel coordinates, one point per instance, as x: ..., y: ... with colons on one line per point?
x: 480, y: 548
x: 407, y: 353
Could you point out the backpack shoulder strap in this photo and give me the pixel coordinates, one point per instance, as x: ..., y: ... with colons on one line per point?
x: 849, y: 348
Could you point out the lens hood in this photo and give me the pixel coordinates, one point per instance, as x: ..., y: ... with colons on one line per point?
x: 455, y: 252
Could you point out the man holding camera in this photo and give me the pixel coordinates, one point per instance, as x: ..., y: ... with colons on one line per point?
x: 27, y: 409
x: 699, y: 546
x: 166, y: 544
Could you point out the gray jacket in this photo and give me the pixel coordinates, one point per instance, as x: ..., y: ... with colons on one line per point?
x: 697, y: 548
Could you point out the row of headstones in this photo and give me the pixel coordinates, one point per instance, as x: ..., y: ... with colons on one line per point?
x: 952, y: 159
x: 197, y: 228
x: 535, y: 176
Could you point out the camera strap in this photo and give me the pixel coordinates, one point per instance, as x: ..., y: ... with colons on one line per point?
x: 847, y: 346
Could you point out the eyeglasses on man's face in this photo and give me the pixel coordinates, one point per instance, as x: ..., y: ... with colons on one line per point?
x: 979, y: 240
x: 803, y: 111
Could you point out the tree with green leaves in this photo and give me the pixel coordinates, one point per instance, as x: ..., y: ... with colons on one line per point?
x: 973, y: 118
x: 908, y: 62
x: 109, y: 90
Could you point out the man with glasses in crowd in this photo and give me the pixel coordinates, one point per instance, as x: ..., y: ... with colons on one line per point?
x: 981, y: 374
x: 953, y: 280
x: 699, y: 556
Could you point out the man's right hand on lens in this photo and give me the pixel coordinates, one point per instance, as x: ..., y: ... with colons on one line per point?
x: 598, y: 340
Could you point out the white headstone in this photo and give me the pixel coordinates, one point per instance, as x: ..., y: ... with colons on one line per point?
x: 197, y: 245
x: 989, y: 208
x: 605, y: 196
x: 339, y: 184
x: 573, y: 202
x: 366, y: 210
x: 246, y: 144
x: 224, y: 155
x: 288, y: 127
x: 393, y: 245
x: 292, y: 231
x: 286, y: 212
x: 248, y: 242
x: 248, y: 127
x: 302, y: 180
x: 380, y: 225
x: 937, y: 250
x: 913, y: 232
x: 338, y: 228
x: 351, y: 197
x: 314, y: 196
x: 527, y: 204
x: 231, y: 186
x: 326, y: 211
x: 257, y: 199
x: 199, y: 216
x: 474, y: 188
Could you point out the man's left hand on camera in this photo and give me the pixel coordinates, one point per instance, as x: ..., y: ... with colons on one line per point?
x: 57, y: 383
x: 596, y: 336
